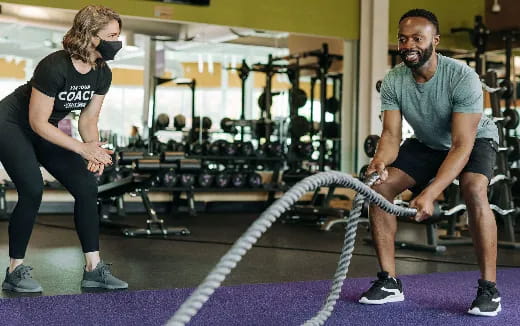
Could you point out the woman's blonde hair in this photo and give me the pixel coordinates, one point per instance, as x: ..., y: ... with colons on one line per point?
x: 87, y: 23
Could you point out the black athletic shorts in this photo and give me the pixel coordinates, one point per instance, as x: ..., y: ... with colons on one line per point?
x: 422, y: 163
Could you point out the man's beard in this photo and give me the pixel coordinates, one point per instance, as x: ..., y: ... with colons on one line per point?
x: 423, y: 56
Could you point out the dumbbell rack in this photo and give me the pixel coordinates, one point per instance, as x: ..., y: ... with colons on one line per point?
x: 505, y: 198
x: 272, y: 188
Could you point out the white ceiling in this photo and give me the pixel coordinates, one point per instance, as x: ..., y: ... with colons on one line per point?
x: 30, y: 33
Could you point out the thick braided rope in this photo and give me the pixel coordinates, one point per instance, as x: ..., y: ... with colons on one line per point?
x: 229, y: 261
x: 344, y: 260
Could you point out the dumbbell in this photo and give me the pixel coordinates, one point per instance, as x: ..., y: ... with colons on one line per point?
x: 331, y: 130
x: 508, y: 88
x: 512, y: 148
x: 189, y: 165
x: 515, y: 182
x: 254, y: 180
x: 180, y: 148
x: 370, y: 145
x: 155, y: 181
x: 332, y: 105
x: 260, y: 128
x: 298, y: 97
x: 205, y: 179
x: 214, y: 148
x: 378, y: 85
x: 222, y: 179
x: 147, y: 164
x: 162, y: 121
x: 245, y: 148
x: 228, y: 125
x: 137, y: 144
x: 303, y: 149
x: 198, y: 148
x: 171, y: 145
x: 127, y: 157
x: 229, y: 149
x: 363, y: 171
x: 510, y: 117
x: 260, y: 152
x: 206, y: 123
x: 158, y: 146
x: 299, y: 126
x: 238, y: 179
x: 179, y: 122
x: 170, y: 178
x: 273, y: 148
x: 187, y: 180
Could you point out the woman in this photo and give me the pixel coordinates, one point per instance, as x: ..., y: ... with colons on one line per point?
x: 76, y: 78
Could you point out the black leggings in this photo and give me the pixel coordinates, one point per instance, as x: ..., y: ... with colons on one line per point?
x: 21, y: 153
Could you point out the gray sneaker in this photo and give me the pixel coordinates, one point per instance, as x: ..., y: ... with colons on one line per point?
x: 101, y: 277
x: 20, y: 280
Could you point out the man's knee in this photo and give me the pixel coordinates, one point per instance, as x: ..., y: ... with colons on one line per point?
x: 391, y: 188
x: 386, y: 190
x: 474, y: 189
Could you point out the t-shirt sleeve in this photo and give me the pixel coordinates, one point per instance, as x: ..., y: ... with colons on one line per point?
x: 105, y: 80
x: 468, y: 95
x: 48, y: 78
x: 389, y: 100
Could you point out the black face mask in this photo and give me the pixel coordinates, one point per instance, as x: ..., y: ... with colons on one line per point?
x: 109, y: 49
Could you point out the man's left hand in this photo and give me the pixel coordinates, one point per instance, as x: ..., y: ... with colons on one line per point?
x: 424, y: 205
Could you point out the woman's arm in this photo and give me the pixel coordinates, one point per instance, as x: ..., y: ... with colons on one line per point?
x: 88, y: 119
x: 88, y: 127
x: 40, y: 109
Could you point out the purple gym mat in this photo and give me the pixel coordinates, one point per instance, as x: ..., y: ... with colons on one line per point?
x: 431, y: 299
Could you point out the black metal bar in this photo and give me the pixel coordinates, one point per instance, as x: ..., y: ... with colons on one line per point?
x: 192, y: 87
x: 243, y: 74
x: 151, y: 129
x: 324, y: 66
x: 313, y: 85
x: 509, y: 56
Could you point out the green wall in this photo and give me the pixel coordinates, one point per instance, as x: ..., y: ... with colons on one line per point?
x: 450, y: 13
x: 334, y: 18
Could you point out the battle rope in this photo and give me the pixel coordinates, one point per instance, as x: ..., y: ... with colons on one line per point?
x: 229, y: 261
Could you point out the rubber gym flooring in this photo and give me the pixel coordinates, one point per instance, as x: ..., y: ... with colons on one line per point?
x: 286, y: 253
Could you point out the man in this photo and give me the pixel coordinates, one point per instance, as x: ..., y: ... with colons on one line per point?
x: 442, y: 100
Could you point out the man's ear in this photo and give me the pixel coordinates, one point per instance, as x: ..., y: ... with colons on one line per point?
x: 436, y: 40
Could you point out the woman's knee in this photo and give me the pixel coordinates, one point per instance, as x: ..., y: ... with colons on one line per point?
x: 85, y: 190
x: 30, y: 193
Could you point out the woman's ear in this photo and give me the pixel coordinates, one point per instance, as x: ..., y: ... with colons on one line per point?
x: 95, y: 41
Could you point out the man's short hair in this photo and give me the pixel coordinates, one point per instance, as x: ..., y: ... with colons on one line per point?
x: 430, y: 16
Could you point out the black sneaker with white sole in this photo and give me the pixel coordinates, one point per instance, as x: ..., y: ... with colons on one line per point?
x: 487, y: 302
x: 383, y: 290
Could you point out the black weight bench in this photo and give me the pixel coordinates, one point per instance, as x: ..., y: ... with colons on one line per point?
x: 137, y: 184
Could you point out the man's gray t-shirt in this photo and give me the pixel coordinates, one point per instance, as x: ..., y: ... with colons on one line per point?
x: 428, y: 106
